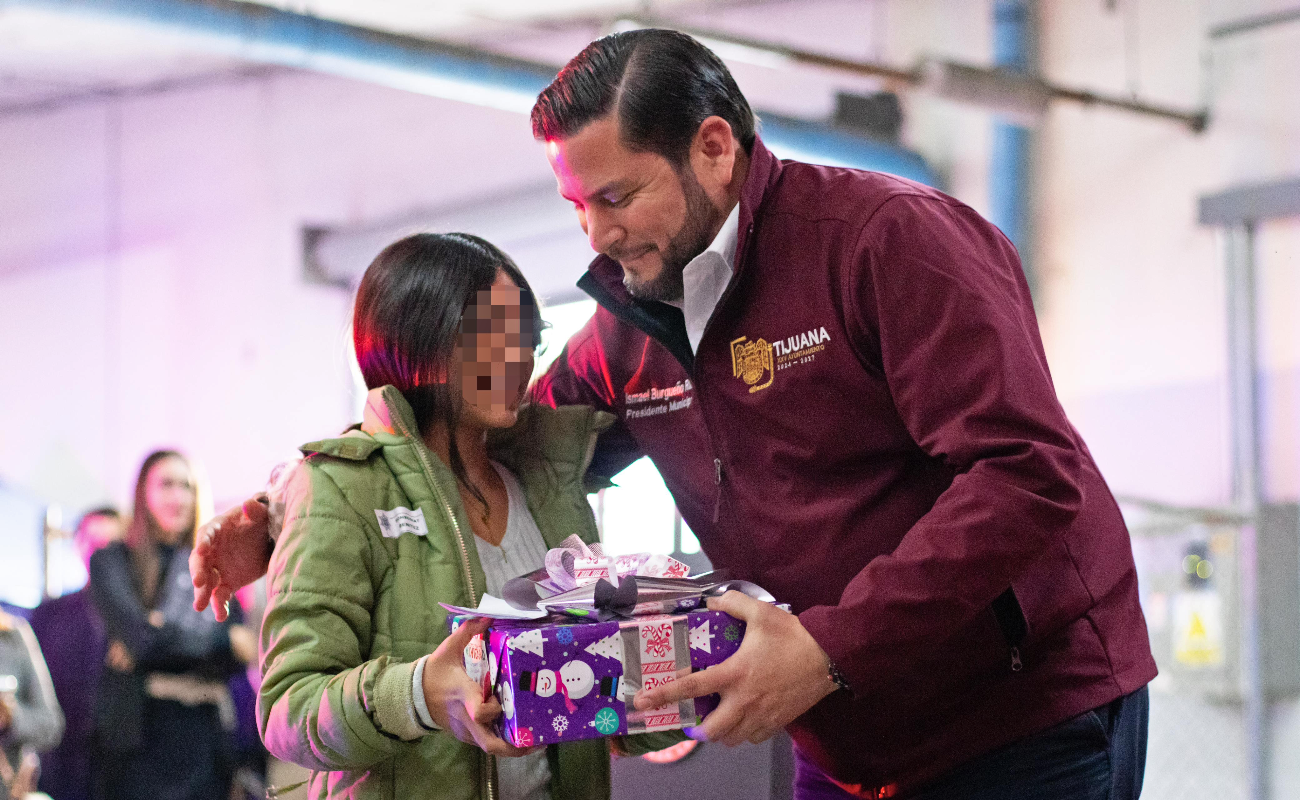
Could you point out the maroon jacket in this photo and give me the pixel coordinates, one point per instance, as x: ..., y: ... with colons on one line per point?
x: 869, y: 430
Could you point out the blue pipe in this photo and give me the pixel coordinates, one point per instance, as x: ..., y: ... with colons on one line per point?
x: 810, y: 141
x: 268, y: 35
x: 1009, y: 178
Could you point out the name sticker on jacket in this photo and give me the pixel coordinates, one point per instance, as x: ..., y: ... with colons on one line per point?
x: 401, y: 520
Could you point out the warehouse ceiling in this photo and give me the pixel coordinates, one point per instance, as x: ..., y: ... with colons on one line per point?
x: 423, y: 18
x: 52, y: 55
x: 48, y: 57
x: 57, y: 51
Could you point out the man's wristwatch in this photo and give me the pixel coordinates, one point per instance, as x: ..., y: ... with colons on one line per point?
x: 836, y: 677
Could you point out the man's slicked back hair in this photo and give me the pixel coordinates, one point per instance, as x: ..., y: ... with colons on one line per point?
x: 662, y: 84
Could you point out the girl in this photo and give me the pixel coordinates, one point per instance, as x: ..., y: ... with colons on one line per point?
x: 447, y: 489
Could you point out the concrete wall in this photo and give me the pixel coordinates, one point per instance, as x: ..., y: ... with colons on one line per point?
x: 1133, y: 306
x: 1133, y: 301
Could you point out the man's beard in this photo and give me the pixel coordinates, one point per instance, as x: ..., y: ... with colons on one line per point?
x: 694, y: 237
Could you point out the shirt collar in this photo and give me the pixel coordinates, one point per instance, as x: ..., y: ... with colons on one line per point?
x: 705, y: 278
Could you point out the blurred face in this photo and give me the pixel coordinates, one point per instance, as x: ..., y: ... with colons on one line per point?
x: 169, y: 496
x: 636, y: 208
x: 96, y: 532
x: 494, y: 355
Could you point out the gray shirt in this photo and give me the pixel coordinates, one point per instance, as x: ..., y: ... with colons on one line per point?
x: 36, y: 722
x: 522, y: 550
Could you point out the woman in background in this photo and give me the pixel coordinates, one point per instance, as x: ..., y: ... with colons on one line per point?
x: 164, y: 709
x: 30, y: 720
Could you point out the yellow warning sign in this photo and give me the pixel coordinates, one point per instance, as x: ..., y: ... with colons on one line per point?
x: 1198, y: 628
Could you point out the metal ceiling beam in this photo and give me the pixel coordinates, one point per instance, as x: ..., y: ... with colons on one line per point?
x: 1251, y: 204
x: 1000, y: 90
x: 1248, y: 24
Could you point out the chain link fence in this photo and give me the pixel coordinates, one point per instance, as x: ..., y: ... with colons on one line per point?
x: 1190, y: 573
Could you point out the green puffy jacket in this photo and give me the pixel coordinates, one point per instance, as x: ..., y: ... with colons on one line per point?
x: 350, y: 611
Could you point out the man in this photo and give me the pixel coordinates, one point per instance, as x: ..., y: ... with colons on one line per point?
x: 858, y: 416
x: 73, y: 641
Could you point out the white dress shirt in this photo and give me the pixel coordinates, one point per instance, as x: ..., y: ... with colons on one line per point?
x: 706, y: 277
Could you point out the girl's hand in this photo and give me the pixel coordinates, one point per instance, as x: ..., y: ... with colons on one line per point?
x: 455, y: 701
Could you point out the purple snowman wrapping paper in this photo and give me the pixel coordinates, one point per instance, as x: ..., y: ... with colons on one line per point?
x: 564, y: 682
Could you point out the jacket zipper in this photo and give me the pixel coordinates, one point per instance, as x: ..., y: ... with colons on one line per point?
x: 593, y: 436
x: 455, y: 526
x: 717, y: 482
x: 699, y: 394
x: 1010, y: 618
x: 606, y: 300
x: 489, y: 784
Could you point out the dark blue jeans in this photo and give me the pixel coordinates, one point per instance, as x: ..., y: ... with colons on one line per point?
x: 1098, y: 755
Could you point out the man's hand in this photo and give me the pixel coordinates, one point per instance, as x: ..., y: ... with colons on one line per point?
x: 229, y: 553
x: 6, y: 712
x: 778, y: 673
x: 455, y: 701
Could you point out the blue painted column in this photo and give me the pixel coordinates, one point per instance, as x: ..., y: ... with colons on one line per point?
x: 1009, y: 178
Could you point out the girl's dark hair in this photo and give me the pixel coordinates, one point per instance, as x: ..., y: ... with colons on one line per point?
x: 408, y: 315
x: 662, y: 85
x: 142, y: 534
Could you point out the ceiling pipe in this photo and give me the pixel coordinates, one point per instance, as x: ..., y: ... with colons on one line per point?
x: 1024, y: 98
x: 1249, y: 24
x: 1011, y: 168
x: 266, y: 35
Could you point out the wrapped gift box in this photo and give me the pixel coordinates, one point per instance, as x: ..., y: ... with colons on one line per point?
x: 608, y: 627
x: 569, y: 681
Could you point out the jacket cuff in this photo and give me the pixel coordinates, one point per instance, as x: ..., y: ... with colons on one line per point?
x: 828, y: 633
x: 394, y: 703
x: 417, y: 693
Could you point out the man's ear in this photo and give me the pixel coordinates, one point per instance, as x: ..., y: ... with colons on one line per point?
x: 713, y: 156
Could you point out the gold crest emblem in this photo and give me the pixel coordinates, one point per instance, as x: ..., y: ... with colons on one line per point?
x: 750, y: 361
